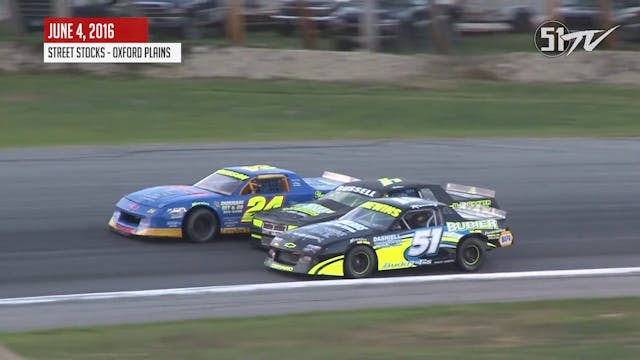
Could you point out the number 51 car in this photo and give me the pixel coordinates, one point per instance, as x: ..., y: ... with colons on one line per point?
x: 221, y: 203
x: 389, y: 234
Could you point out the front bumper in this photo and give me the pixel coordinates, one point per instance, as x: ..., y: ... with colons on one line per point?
x: 133, y: 219
x: 148, y: 232
x: 263, y: 231
x: 287, y: 261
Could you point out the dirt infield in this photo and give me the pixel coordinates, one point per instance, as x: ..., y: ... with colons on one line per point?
x: 621, y: 68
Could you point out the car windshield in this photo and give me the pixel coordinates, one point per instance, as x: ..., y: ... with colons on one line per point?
x: 370, y: 218
x: 347, y: 198
x: 219, y: 183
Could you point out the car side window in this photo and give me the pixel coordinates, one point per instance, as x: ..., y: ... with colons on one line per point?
x: 422, y: 218
x: 427, y: 194
x: 266, y: 184
x: 409, y: 192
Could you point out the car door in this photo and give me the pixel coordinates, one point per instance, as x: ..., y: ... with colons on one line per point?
x: 428, y: 230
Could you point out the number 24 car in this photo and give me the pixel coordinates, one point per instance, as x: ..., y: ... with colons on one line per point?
x: 221, y: 203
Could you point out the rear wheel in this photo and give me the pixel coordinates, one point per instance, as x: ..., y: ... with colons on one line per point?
x: 470, y: 255
x: 360, y: 262
x: 200, y: 226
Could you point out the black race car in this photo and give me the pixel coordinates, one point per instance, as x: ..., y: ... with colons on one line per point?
x: 389, y: 234
x: 344, y: 198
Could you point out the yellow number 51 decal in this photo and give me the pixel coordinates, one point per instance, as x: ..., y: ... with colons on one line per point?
x: 259, y: 203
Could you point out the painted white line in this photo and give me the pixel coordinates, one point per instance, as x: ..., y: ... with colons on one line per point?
x: 320, y: 284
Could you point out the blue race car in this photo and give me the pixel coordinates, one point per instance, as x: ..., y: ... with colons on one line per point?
x: 221, y: 203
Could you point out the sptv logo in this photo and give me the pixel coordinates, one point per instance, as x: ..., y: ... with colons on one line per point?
x: 553, y: 38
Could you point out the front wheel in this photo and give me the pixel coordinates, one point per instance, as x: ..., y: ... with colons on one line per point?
x: 200, y: 226
x: 470, y: 255
x: 360, y: 262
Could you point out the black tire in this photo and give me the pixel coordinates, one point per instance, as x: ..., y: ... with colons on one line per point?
x: 471, y: 254
x: 200, y: 226
x: 360, y: 262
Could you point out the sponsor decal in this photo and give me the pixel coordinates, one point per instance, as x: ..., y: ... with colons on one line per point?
x: 151, y: 211
x: 234, y: 230
x: 310, y: 209
x: 350, y: 226
x: 134, y: 206
x: 318, y: 194
x: 197, y: 203
x: 484, y: 202
x: 232, y: 174
x: 386, y: 238
x: 176, y: 213
x: 397, y: 265
x: 388, y: 181
x: 256, y: 168
x: 360, y: 241
x: 383, y: 208
x: 289, y: 245
x: 232, y: 206
x: 173, y: 224
x: 449, y: 261
x: 275, y: 265
x: 506, y: 238
x: 357, y: 189
x: 472, y: 225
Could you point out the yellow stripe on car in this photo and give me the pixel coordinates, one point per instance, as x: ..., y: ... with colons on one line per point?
x: 160, y: 232
x: 318, y: 266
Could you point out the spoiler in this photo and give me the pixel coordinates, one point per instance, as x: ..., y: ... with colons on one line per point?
x: 341, y: 178
x: 469, y: 191
x: 481, y: 211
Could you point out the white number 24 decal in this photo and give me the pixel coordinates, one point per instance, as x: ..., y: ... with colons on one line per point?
x: 426, y: 241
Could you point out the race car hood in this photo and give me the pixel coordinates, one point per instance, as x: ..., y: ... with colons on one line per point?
x: 325, y: 233
x: 306, y: 213
x: 161, y: 196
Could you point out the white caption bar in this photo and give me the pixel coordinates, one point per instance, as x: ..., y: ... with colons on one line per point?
x: 112, y: 53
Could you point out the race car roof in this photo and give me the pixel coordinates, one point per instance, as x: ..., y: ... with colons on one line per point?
x: 252, y: 170
x: 407, y: 203
x: 383, y: 186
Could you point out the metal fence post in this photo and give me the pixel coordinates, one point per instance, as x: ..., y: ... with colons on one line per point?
x: 15, y: 17
x: 605, y: 23
x: 369, y: 22
x: 61, y: 8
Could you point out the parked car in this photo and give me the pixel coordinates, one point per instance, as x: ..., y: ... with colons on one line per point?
x: 288, y: 16
x: 517, y: 15
x: 187, y: 16
x: 585, y: 15
x: 398, y: 21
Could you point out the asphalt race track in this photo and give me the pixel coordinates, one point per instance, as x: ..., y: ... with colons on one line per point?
x: 572, y: 203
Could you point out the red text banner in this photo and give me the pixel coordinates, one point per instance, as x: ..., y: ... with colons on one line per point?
x: 96, y: 30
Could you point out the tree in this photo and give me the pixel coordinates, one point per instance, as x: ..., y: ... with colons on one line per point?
x: 15, y: 16
x: 606, y: 23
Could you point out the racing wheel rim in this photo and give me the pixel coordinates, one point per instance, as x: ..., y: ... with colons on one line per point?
x: 360, y: 263
x: 471, y: 255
